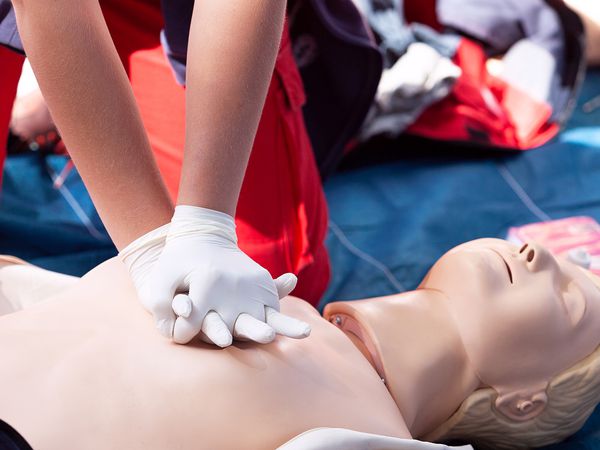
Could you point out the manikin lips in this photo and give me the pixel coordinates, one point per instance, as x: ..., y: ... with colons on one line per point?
x: 510, y: 276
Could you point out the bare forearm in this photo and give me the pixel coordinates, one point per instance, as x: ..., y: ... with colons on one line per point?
x: 88, y: 94
x: 232, y: 51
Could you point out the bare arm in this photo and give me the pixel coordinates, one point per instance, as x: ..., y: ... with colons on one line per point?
x: 231, y: 55
x: 92, y: 104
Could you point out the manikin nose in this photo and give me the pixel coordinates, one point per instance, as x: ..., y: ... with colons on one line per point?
x: 533, y: 256
x: 527, y: 252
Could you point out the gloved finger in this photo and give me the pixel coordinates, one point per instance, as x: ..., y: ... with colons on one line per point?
x: 165, y: 324
x: 182, y: 305
x: 285, y: 284
x: 204, y: 338
x: 188, y: 328
x: 248, y: 327
x: 216, y: 331
x: 286, y: 325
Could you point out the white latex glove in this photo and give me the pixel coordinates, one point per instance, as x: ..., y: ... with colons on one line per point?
x: 140, y: 258
x: 222, y: 292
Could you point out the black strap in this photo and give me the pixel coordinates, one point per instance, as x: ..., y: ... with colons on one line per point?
x: 10, y: 439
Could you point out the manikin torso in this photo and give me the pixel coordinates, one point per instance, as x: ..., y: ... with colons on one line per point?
x: 86, y: 369
x: 98, y: 376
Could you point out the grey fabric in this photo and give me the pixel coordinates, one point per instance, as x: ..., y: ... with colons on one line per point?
x: 386, y: 18
x: 419, y: 78
x: 397, y: 107
x: 9, y: 36
x: 502, y: 23
x: 538, y: 62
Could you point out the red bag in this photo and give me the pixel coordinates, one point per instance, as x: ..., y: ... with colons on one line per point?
x: 487, y: 111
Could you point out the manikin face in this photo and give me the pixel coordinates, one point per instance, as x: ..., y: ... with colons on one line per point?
x: 523, y: 315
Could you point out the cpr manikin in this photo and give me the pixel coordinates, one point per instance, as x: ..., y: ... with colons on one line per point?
x: 497, y: 348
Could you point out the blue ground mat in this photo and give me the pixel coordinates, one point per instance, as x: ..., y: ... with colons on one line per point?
x: 389, y: 222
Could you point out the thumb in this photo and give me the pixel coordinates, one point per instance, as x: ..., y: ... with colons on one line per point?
x: 285, y: 284
x: 156, y: 299
x: 164, y: 319
x: 182, y: 306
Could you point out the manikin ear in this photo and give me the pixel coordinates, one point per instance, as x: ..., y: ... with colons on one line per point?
x: 522, y: 405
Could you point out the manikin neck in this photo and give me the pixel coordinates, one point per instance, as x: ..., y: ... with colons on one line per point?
x: 414, y: 344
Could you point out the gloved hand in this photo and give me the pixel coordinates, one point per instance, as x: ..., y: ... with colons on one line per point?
x: 222, y: 292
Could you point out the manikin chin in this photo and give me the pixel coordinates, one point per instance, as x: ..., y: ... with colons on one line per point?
x: 498, y: 347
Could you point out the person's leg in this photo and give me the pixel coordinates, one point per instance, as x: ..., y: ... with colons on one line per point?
x: 10, y: 71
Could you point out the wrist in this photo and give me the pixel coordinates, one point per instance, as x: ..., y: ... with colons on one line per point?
x: 144, y: 249
x: 198, y: 213
x: 195, y: 220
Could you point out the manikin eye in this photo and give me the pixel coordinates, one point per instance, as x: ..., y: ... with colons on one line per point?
x: 510, y: 276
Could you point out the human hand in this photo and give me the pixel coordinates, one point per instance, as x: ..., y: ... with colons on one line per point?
x: 221, y: 291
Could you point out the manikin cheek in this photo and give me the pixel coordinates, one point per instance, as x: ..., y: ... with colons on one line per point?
x: 575, y: 304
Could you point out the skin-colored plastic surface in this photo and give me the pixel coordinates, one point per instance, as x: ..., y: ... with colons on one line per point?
x: 487, y: 315
x: 87, y: 370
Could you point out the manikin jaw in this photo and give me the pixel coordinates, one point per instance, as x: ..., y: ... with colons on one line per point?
x: 523, y: 315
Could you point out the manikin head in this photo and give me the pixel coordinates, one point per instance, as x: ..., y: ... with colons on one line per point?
x: 530, y: 327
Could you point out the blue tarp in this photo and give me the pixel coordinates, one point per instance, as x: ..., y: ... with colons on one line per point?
x: 389, y: 222
x: 55, y: 228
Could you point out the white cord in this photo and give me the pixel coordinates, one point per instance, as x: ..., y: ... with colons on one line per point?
x: 365, y: 257
x: 520, y: 192
x: 80, y: 213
